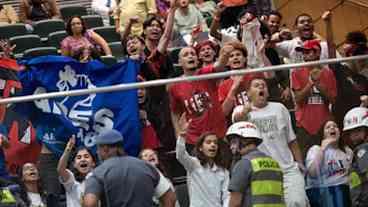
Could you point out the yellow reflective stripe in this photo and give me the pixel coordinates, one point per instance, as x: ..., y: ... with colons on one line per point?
x: 354, y: 180
x: 266, y: 187
x: 7, y: 197
x: 265, y: 163
x: 269, y: 205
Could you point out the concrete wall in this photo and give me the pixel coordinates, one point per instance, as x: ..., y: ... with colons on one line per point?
x: 348, y: 15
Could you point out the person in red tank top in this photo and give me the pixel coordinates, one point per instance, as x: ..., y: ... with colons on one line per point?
x: 232, y: 91
x: 198, y: 99
x: 315, y: 89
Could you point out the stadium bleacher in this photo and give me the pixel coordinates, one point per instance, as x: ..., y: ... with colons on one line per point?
x: 86, y: 3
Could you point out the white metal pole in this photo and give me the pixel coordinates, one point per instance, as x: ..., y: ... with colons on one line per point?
x: 159, y: 82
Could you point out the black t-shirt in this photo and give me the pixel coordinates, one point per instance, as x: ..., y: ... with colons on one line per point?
x: 350, y: 87
x: 159, y: 66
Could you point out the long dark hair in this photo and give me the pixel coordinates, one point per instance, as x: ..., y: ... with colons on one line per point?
x: 78, y: 176
x: 219, y: 159
x: 23, y: 190
x: 69, y: 25
x: 342, y: 143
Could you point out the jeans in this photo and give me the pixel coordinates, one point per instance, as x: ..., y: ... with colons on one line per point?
x: 294, y: 188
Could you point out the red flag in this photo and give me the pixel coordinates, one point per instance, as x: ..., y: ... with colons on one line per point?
x: 23, y: 144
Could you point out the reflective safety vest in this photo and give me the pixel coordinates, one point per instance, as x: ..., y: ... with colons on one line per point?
x: 266, y: 183
x: 6, y: 197
x: 358, y: 197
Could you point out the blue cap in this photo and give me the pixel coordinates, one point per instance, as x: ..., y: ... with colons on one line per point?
x: 111, y: 136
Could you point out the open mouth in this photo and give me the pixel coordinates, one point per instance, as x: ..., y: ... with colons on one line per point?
x: 191, y: 62
x: 261, y: 93
x: 133, y: 50
x: 83, y: 165
x: 32, y: 174
x: 333, y: 133
x: 212, y: 150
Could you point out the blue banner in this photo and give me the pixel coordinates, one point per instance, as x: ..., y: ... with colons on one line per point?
x: 85, y: 116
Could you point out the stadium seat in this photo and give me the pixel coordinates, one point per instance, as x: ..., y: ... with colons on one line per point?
x: 72, y: 10
x: 108, y: 60
x: 44, y: 27
x: 25, y: 42
x: 12, y: 30
x: 93, y: 21
x: 40, y: 51
x: 117, y: 50
x: 55, y: 38
x: 108, y: 33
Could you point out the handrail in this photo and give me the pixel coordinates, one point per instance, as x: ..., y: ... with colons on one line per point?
x: 160, y: 82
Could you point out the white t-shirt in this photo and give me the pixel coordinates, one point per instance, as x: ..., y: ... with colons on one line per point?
x: 35, y: 199
x: 287, y: 49
x: 334, y: 167
x: 73, y: 189
x: 274, y: 123
x: 162, y: 187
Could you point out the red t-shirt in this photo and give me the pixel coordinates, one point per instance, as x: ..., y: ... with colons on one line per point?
x: 315, y: 111
x: 199, y: 99
x: 241, y: 96
x: 149, y: 137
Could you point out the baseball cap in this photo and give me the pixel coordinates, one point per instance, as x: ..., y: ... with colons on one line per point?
x: 308, y: 45
x: 111, y: 136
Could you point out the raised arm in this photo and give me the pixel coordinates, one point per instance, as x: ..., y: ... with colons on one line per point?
x: 182, y: 155
x: 229, y: 102
x: 317, y: 155
x: 166, y: 36
x: 128, y: 28
x: 63, y: 162
x: 102, y: 42
x: 329, y: 34
x: 215, y: 25
x: 223, y: 58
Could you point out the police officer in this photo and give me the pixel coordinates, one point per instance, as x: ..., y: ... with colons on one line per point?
x: 256, y: 179
x: 356, y: 130
x: 124, y: 181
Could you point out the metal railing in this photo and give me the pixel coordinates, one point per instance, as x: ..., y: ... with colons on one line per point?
x: 160, y: 82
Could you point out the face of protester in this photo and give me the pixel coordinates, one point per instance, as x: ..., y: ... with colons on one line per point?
x: 134, y: 46
x: 305, y: 27
x: 207, y: 54
x: 273, y: 23
x: 83, y: 162
x: 311, y: 54
x: 141, y: 95
x: 331, y: 130
x: 237, y: 60
x: 154, y: 31
x: 188, y: 59
x: 76, y: 26
x: 210, y: 146
x: 358, y: 136
x: 258, y: 92
x: 247, y: 17
x: 150, y: 156
x: 30, y: 173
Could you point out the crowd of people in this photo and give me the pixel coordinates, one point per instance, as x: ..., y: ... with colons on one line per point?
x: 294, y: 138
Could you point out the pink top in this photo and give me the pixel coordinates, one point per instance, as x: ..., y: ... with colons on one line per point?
x: 76, y: 45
